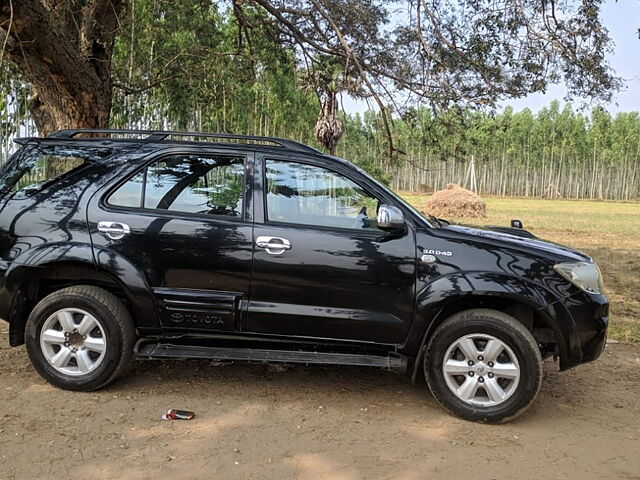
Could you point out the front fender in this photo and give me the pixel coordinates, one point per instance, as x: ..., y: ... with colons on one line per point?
x: 437, y: 297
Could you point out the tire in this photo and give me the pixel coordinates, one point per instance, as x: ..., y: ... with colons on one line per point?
x: 80, y: 338
x: 494, y: 389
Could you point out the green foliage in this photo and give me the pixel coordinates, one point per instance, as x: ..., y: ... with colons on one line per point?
x: 206, y: 73
x: 194, y: 65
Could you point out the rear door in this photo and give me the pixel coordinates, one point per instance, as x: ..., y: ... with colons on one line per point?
x: 182, y: 219
x: 322, y: 268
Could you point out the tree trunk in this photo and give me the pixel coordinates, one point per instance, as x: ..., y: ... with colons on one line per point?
x: 63, y: 49
x: 72, y: 104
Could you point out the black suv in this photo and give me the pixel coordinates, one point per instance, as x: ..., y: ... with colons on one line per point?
x: 180, y: 245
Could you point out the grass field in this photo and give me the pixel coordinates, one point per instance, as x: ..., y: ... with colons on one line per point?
x: 607, y: 231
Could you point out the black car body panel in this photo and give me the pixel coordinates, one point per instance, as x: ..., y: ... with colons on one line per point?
x: 189, y: 275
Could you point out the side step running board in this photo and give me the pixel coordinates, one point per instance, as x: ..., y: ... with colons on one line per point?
x: 154, y: 350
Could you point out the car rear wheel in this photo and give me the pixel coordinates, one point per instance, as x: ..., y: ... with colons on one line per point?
x: 80, y: 338
x: 483, y: 365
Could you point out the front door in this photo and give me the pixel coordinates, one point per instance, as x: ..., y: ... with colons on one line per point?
x: 322, y: 268
x: 181, y: 219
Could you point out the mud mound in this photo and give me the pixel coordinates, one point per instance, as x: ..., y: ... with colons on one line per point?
x: 455, y: 201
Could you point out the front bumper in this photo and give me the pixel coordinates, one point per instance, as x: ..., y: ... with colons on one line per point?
x: 5, y: 296
x: 590, y: 314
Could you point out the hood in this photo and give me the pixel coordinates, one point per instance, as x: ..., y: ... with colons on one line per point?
x: 533, y: 245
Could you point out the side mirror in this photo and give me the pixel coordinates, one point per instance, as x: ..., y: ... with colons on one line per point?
x: 390, y: 218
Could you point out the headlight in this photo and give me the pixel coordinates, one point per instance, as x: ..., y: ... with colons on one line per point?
x: 583, y: 275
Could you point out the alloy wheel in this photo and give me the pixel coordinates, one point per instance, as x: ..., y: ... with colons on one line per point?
x: 73, y: 341
x: 481, y: 370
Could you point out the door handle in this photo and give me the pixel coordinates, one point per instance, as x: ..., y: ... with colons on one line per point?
x: 114, y: 230
x: 273, y: 245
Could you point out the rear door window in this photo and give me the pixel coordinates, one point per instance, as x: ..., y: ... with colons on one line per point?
x: 207, y: 185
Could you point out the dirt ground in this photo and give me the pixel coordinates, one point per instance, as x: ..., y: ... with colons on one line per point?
x: 256, y: 422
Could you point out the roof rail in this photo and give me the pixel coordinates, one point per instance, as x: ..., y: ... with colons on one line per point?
x: 159, y: 135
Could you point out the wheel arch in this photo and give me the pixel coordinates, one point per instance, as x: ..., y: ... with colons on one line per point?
x: 49, y: 270
x: 533, y: 306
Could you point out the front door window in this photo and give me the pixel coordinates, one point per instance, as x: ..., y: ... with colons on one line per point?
x: 310, y: 195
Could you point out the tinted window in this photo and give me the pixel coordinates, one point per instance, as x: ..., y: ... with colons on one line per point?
x: 187, y: 183
x: 310, y: 195
x: 33, y: 168
x: 130, y: 193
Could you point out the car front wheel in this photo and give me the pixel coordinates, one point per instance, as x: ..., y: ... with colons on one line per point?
x: 483, y: 365
x: 80, y: 338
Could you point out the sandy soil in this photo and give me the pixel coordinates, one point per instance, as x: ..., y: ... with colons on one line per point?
x: 256, y: 422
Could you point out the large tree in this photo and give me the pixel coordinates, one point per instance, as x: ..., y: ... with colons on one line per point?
x: 63, y: 49
x: 445, y: 52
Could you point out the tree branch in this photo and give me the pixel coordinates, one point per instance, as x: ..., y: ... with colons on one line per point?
x: 349, y: 53
x: 129, y: 90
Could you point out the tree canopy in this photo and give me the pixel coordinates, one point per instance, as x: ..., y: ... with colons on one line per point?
x: 187, y: 58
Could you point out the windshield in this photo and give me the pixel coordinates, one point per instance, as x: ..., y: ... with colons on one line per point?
x: 36, y: 166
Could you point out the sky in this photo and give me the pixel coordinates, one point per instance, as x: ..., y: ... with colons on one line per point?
x: 622, y: 18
